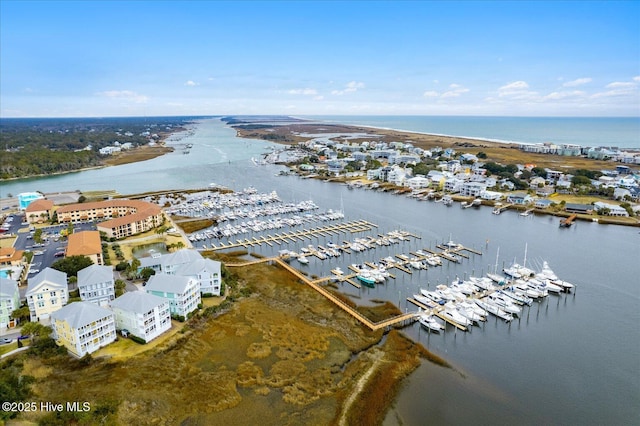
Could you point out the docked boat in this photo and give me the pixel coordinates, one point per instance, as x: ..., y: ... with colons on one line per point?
x: 430, y: 323
x: 505, y: 303
x: 303, y: 259
x: 366, y: 278
x: 424, y: 300
x: 494, y: 309
x: 521, y: 299
x: 454, y: 316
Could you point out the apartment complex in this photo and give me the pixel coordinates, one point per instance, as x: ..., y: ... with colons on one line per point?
x: 122, y: 218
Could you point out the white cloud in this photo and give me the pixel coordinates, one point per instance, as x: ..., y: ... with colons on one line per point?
x: 620, y: 85
x: 127, y: 95
x: 516, y: 90
x: 318, y: 98
x: 578, y: 82
x: 556, y: 96
x: 456, y: 90
x: 619, y: 89
x: 306, y: 91
x: 352, y: 86
x: 191, y: 83
x: 636, y: 78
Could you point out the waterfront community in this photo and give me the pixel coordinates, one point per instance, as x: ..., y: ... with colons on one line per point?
x: 187, y: 251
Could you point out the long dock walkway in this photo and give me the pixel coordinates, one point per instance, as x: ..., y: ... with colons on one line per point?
x: 411, y: 316
x: 286, y: 237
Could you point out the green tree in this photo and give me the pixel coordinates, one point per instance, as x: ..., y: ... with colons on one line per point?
x: 36, y: 330
x: 580, y: 180
x: 145, y: 273
x: 21, y: 314
x: 72, y: 264
x: 539, y: 171
x: 37, y: 236
x: 120, y: 287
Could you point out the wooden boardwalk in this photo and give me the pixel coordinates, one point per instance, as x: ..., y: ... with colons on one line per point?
x: 411, y: 316
x: 293, y: 236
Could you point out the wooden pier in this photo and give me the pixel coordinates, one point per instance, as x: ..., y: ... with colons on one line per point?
x: 408, y: 317
x: 437, y: 311
x: 301, y: 235
x: 568, y: 221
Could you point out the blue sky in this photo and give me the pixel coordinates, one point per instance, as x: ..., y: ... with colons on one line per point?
x: 69, y: 59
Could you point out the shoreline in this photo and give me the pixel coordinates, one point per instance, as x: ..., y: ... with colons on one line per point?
x: 446, y: 135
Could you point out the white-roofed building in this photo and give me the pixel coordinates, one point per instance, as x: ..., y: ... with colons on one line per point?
x: 9, y: 300
x: 168, y: 263
x: 46, y: 293
x: 83, y: 327
x: 206, y: 271
x: 96, y: 284
x: 183, y: 293
x: 142, y: 314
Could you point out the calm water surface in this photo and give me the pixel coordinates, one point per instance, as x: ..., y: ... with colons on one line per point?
x: 571, y: 359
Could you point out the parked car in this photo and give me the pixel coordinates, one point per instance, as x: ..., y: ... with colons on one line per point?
x: 5, y: 340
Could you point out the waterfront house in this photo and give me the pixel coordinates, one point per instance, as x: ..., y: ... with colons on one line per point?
x: 9, y: 301
x: 418, y: 182
x: 610, y: 209
x: 473, y: 189
x: 374, y: 174
x: 46, y: 293
x: 519, y: 198
x: 39, y: 211
x: 543, y: 203
x: 492, y: 195
x: 83, y: 327
x: 578, y: 208
x: 206, y: 272
x: 182, y: 293
x: 85, y: 243
x: 453, y: 185
x: 96, y: 284
x: 142, y: 314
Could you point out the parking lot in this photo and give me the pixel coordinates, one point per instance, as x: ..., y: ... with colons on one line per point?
x: 45, y: 252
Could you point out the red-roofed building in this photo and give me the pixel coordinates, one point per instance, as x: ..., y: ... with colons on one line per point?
x: 126, y: 217
x: 39, y: 211
x: 85, y: 243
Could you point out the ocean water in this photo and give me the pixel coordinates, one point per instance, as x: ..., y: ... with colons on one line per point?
x: 622, y: 132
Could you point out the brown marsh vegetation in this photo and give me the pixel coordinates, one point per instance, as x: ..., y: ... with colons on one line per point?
x: 275, y: 353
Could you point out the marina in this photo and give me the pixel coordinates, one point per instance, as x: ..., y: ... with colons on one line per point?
x: 462, y: 304
x: 498, y: 358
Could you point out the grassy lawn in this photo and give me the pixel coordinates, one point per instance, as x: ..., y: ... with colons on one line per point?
x: 7, y: 242
x: 125, y: 348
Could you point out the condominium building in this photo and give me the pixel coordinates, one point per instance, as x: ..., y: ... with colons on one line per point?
x: 46, y: 293
x: 96, y: 284
x: 83, y: 327
x: 142, y: 314
x: 182, y: 293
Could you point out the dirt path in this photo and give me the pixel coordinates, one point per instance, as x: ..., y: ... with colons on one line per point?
x: 378, y: 359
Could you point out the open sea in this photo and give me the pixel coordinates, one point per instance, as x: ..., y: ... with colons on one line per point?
x: 572, y: 359
x: 622, y: 132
